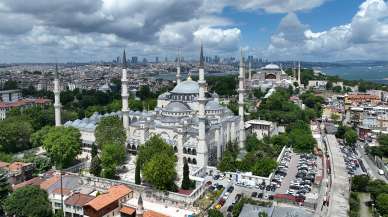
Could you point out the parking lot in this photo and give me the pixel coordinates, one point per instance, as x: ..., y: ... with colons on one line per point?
x: 296, y: 174
x: 352, y: 162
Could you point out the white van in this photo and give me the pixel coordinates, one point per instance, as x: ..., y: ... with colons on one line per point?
x: 381, y: 172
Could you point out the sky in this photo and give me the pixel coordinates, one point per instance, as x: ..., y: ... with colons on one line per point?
x: 93, y: 30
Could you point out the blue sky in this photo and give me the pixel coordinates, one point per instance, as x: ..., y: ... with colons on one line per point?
x: 87, y: 30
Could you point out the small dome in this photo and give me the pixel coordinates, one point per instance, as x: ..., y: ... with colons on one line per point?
x: 186, y: 87
x: 272, y: 67
x: 213, y: 105
x: 177, y: 107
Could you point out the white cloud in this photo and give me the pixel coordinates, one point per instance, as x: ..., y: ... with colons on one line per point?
x: 85, y: 28
x: 365, y: 37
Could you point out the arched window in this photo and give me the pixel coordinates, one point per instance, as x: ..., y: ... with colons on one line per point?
x: 189, y: 151
x: 194, y: 152
x: 189, y: 160
x: 175, y: 149
x: 194, y: 161
x: 184, y: 151
x: 133, y: 147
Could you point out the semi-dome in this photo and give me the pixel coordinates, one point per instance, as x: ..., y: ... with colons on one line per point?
x: 272, y: 67
x: 186, y: 87
x: 177, y: 107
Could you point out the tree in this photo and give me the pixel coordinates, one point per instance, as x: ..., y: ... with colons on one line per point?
x: 227, y: 163
x: 155, y: 145
x: 110, y: 131
x: 5, y: 189
x: 160, y: 171
x: 329, y: 85
x: 62, y: 144
x: 15, y: 135
x: 264, y: 167
x: 382, y: 204
x: 214, y: 213
x: 335, y: 117
x: 137, y: 173
x: 38, y: 137
x: 350, y: 136
x: 29, y: 201
x: 360, y: 183
x: 341, y: 131
x: 262, y: 214
x: 95, y: 166
x: 10, y: 85
x: 94, y: 150
x: 186, y: 182
x: 112, y: 155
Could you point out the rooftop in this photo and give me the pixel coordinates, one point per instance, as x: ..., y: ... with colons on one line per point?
x: 113, y: 194
x: 78, y: 199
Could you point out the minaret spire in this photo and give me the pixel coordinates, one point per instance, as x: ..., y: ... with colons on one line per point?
x: 57, y: 99
x: 124, y: 96
x: 250, y: 71
x: 178, y: 68
x: 140, y: 208
x: 241, y: 91
x: 124, y: 60
x: 201, y: 59
x: 202, y: 149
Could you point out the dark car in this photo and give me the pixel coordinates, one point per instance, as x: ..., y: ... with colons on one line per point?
x: 260, y: 195
x: 219, y: 187
x: 230, y: 189
x: 230, y: 208
x: 238, y: 197
x: 268, y: 188
x: 254, y: 194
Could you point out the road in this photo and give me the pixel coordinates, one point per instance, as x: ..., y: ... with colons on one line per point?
x: 370, y: 166
x: 364, y: 209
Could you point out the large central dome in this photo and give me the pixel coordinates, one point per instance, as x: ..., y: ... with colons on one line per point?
x: 186, y: 87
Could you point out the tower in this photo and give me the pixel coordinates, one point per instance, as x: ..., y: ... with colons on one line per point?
x: 241, y: 91
x: 178, y: 69
x: 299, y: 82
x: 57, y: 99
x: 124, y: 95
x: 250, y: 71
x: 202, y: 150
x: 140, y: 208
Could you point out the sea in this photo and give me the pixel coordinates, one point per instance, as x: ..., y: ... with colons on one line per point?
x: 373, y: 73
x: 368, y: 72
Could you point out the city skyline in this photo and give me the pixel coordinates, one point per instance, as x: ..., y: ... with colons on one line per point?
x: 82, y: 31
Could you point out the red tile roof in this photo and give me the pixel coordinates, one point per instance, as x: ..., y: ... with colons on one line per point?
x: 113, y: 194
x: 78, y: 199
x: 127, y: 210
x: 23, y: 102
x: 34, y: 181
x: 49, y: 182
x: 150, y: 213
x: 3, y: 164
x: 65, y: 191
x: 17, y: 166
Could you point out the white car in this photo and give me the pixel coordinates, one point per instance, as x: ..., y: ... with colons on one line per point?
x: 381, y: 172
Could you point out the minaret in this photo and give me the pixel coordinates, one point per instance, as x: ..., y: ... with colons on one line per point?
x: 294, y: 72
x: 241, y: 91
x: 57, y: 99
x: 178, y: 69
x: 202, y: 151
x: 140, y: 208
x: 124, y: 95
x: 299, y: 82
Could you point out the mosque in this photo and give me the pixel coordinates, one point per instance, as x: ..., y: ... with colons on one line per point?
x: 272, y: 76
x: 189, y: 118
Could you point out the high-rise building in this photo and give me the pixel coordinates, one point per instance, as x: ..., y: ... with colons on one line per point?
x: 156, y: 59
x: 134, y: 60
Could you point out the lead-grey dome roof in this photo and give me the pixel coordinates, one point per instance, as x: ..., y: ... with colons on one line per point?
x: 177, y: 107
x: 186, y: 87
x: 213, y: 105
